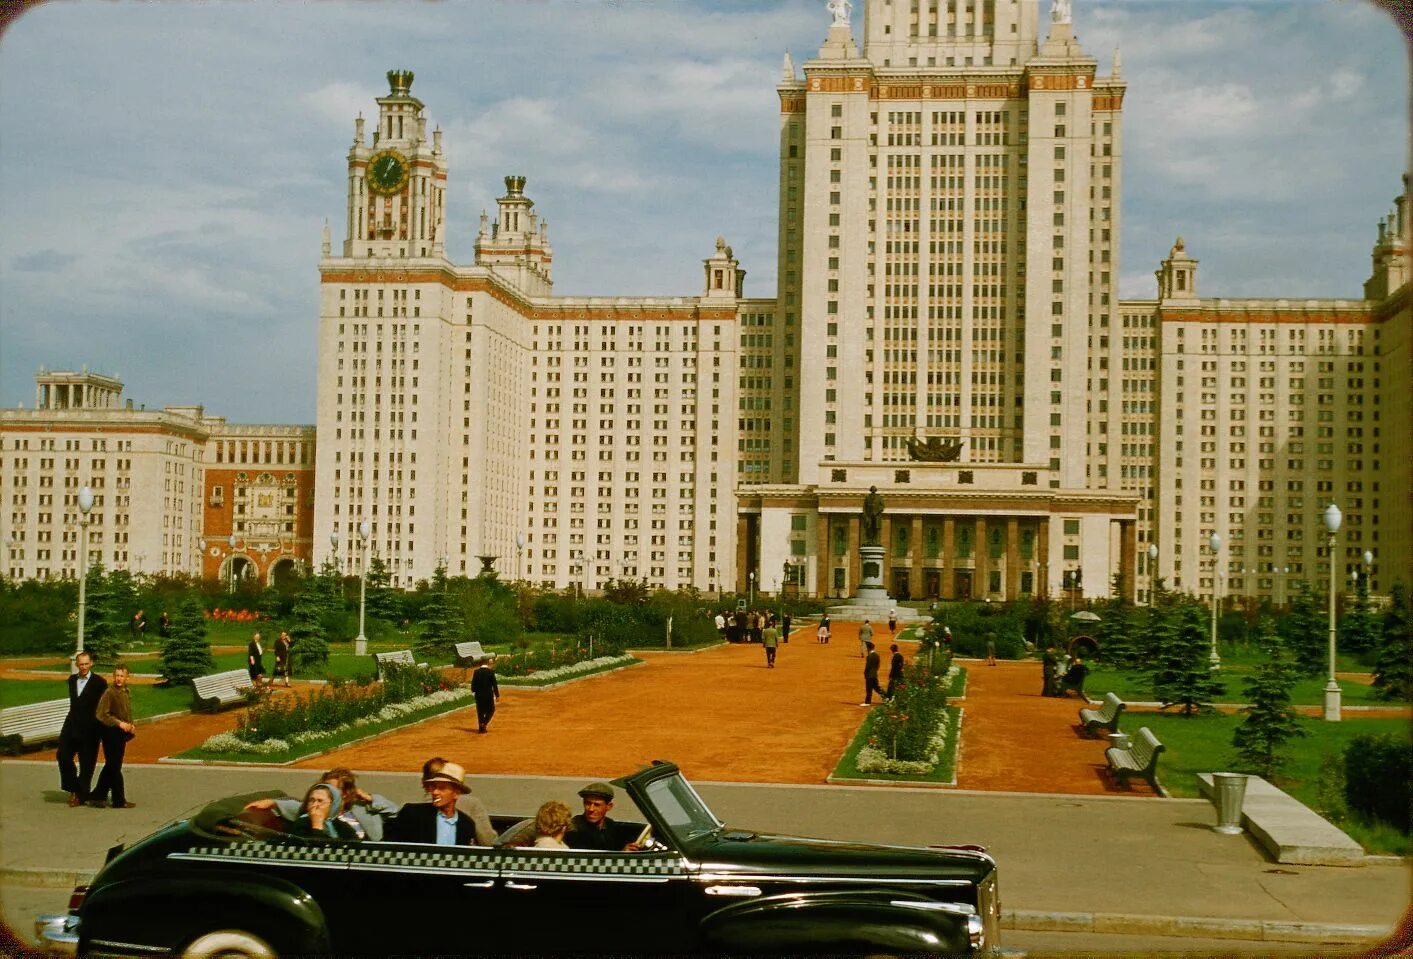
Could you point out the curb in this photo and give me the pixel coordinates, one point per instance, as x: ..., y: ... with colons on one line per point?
x: 1260, y: 930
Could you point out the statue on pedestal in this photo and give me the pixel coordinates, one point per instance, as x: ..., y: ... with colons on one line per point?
x: 872, y: 528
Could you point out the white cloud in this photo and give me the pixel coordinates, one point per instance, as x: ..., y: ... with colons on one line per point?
x: 337, y: 102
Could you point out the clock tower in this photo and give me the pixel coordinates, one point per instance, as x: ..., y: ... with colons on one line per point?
x: 396, y: 184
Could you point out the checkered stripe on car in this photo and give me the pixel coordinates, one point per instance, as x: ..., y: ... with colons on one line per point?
x: 434, y: 857
x: 631, y: 865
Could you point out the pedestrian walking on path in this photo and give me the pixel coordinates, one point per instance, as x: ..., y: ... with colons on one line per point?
x: 486, y: 690
x: 871, y: 664
x: 80, y: 733
x: 822, y: 634
x: 865, y: 638
x: 769, y: 637
x: 115, y: 718
x: 895, y: 673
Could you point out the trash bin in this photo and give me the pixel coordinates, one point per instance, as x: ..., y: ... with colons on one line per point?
x: 1231, y: 793
x: 1119, y: 740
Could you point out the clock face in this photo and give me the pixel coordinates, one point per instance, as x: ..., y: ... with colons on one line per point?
x: 387, y: 172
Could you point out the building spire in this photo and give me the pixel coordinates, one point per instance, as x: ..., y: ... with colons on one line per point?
x: 787, y: 69
x: 1118, y: 68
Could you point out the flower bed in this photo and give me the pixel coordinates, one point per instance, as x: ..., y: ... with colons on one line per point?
x: 558, y: 674
x: 231, y: 743
x: 913, y: 736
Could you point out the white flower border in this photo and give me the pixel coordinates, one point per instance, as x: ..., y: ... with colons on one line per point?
x: 871, y: 759
x: 595, y: 665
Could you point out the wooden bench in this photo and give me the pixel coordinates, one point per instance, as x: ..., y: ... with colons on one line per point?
x: 402, y: 657
x: 210, y: 693
x: 1105, y: 717
x: 1139, y: 759
x: 469, y: 654
x: 32, y: 723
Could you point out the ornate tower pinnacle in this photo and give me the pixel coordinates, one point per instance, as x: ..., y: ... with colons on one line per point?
x: 400, y: 83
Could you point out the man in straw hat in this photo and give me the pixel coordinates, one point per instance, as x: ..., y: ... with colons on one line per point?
x: 439, y: 821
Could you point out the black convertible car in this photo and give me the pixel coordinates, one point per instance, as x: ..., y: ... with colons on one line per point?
x: 230, y: 882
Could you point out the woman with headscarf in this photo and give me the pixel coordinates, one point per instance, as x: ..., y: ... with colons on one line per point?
x: 318, y: 814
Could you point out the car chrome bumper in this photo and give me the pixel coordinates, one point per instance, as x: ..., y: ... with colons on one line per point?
x: 57, y: 934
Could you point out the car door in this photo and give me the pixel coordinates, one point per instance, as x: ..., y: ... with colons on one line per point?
x: 400, y: 894
x: 567, y: 900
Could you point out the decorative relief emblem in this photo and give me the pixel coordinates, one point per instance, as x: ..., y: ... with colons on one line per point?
x: 971, y: 89
x: 858, y: 83
x: 1079, y: 82
x: 814, y: 83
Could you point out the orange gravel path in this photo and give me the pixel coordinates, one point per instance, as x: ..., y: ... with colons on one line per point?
x: 719, y: 714
x: 1013, y: 738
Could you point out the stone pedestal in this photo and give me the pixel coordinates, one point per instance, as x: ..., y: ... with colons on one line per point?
x: 871, y: 600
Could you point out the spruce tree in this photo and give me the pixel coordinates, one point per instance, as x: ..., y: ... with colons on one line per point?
x: 309, y: 645
x: 187, y: 653
x: 1393, y: 671
x: 1270, y: 721
x: 102, y: 619
x: 384, y: 601
x: 442, y: 625
x: 1182, y: 670
x: 1359, y: 627
x: 1306, y: 630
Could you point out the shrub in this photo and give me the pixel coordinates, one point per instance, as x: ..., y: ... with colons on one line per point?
x: 334, y: 706
x: 1182, y: 673
x: 1393, y: 670
x: 1376, y: 778
x: 903, y: 727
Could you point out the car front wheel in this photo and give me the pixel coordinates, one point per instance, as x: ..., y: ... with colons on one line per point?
x: 229, y: 944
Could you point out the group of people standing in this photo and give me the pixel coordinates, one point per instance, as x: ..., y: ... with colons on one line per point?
x: 749, y: 626
x: 100, y: 715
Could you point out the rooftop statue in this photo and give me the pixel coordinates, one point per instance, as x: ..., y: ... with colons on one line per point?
x: 935, y: 450
x: 840, y: 9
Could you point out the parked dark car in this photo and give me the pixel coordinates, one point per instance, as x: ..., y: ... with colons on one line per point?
x: 231, y: 882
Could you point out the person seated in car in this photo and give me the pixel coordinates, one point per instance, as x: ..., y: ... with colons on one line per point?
x: 551, y: 823
x: 318, y: 815
x: 364, y: 812
x: 593, y: 829
x: 439, y: 822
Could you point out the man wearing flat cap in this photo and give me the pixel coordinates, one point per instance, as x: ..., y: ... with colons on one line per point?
x: 593, y: 829
x: 439, y: 822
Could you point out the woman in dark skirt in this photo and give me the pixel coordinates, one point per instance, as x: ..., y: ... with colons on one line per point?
x: 282, y: 667
x: 255, y: 660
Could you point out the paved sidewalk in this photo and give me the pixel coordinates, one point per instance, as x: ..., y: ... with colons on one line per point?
x: 1066, y: 862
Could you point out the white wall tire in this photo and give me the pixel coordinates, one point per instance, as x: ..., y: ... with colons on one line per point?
x: 228, y: 944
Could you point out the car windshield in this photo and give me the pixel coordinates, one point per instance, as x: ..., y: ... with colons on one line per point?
x: 682, y: 809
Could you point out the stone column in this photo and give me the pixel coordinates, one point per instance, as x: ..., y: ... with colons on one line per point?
x: 743, y: 534
x: 1128, y: 558
x: 852, y: 585
x: 824, y: 563
x: 885, y: 539
x: 949, y: 559
x: 915, y: 544
x: 980, y: 577
x: 1042, y: 556
x: 1012, y: 558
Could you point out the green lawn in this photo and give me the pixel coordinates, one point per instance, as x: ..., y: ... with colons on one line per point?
x: 146, y: 700
x: 1133, y: 686
x: 1202, y: 744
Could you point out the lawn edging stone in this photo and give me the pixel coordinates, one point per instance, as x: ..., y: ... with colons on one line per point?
x: 1288, y: 829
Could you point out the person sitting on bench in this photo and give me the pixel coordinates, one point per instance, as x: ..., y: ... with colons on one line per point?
x: 1074, y: 678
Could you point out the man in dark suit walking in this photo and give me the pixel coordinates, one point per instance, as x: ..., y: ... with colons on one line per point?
x: 439, y: 822
x: 486, y: 690
x: 871, y: 664
x: 79, y: 735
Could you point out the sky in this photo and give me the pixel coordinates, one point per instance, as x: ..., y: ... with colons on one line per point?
x: 166, y: 169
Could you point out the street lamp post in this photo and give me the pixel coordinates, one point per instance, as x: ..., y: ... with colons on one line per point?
x: 1216, y: 543
x: 365, y: 532
x: 750, y: 589
x: 230, y: 561
x: 1333, y: 519
x: 1369, y: 570
x: 1152, y: 571
x: 334, y: 546
x: 519, y: 549
x: 85, y: 503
